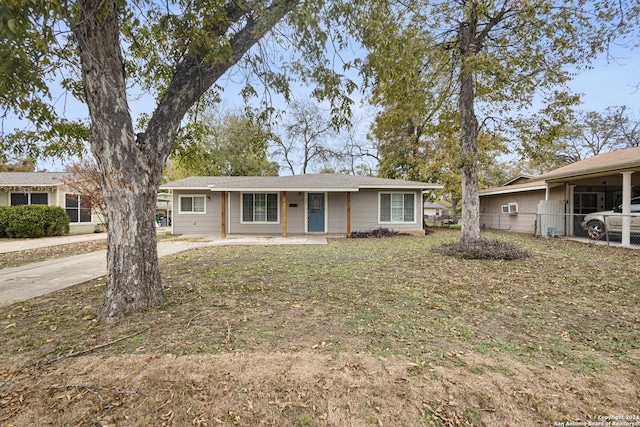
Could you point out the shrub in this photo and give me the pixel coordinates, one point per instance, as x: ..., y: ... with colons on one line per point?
x: 4, y: 220
x: 378, y: 233
x: 483, y: 249
x: 32, y: 221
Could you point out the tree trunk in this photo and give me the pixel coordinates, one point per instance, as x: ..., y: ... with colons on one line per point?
x: 131, y: 165
x: 130, y: 172
x: 454, y: 209
x: 133, y: 280
x: 470, y: 232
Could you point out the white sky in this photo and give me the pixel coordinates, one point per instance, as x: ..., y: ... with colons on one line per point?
x: 609, y: 83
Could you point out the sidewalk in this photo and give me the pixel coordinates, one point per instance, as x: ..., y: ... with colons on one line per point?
x: 11, y: 245
x: 14, y: 245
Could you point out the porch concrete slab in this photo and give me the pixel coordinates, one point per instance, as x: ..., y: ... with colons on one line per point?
x: 261, y: 240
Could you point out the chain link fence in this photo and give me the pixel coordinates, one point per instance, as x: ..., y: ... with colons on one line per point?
x: 607, y: 227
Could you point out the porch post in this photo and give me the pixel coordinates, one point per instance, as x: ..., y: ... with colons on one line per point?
x: 626, y: 208
x: 348, y: 214
x: 223, y: 214
x: 284, y: 214
x: 570, y: 213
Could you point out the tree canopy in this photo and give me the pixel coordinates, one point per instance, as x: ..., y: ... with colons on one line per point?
x: 106, y: 54
x: 481, y: 61
x: 224, y: 144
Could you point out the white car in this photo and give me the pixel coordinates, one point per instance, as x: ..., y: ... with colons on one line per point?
x: 597, y: 223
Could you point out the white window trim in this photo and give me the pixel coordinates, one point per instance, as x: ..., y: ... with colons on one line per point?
x: 242, y: 221
x: 191, y: 196
x: 29, y: 196
x: 64, y: 199
x: 416, y: 203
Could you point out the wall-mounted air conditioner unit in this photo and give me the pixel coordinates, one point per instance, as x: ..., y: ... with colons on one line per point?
x: 510, y: 209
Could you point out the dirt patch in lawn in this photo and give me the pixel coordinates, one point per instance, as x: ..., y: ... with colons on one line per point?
x: 358, y: 332
x: 304, y: 388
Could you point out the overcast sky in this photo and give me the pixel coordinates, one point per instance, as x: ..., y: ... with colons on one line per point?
x: 611, y: 82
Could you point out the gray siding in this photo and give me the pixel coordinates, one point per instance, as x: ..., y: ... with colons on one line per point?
x: 197, y: 223
x: 337, y: 212
x: 296, y: 216
x: 524, y: 221
x: 364, y: 214
x: 365, y: 211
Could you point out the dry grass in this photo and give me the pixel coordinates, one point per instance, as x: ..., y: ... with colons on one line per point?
x: 360, y: 332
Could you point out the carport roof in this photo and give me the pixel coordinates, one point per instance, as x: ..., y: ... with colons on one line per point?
x: 606, y: 163
x: 611, y: 163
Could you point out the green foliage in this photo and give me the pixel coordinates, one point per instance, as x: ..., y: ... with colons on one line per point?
x: 454, y: 70
x: 18, y: 165
x: 483, y: 249
x: 33, y: 221
x: 35, y: 50
x: 555, y: 139
x: 230, y: 144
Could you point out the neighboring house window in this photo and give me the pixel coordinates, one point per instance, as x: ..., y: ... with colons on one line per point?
x: 192, y: 204
x: 397, y: 207
x: 29, y: 199
x: 78, y: 208
x: 260, y: 207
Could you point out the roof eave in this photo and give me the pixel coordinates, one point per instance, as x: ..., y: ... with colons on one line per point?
x: 512, y: 190
x: 292, y: 189
x: 602, y: 171
x: 403, y: 187
x: 32, y: 185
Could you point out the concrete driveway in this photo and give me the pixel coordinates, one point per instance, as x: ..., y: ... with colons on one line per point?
x: 39, y: 278
x: 32, y: 280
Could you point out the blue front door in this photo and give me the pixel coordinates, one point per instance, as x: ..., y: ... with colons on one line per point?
x: 315, y: 206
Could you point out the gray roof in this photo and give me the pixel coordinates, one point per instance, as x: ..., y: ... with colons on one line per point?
x: 433, y: 205
x: 317, y: 182
x: 27, y: 179
x: 614, y: 162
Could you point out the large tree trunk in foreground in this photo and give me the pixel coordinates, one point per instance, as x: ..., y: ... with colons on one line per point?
x: 470, y: 232
x: 131, y: 165
x: 130, y: 171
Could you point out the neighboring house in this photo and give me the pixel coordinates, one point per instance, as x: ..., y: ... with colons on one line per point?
x: 299, y: 204
x: 47, y: 188
x: 432, y: 209
x: 556, y: 202
x: 164, y: 209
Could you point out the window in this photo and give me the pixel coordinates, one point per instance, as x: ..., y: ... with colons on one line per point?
x: 29, y: 199
x: 78, y: 208
x: 192, y: 204
x: 397, y: 207
x: 260, y: 207
x: 511, y: 209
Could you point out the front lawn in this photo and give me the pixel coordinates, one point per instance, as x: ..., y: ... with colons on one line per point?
x: 358, y: 332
